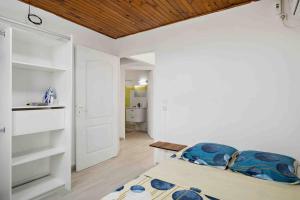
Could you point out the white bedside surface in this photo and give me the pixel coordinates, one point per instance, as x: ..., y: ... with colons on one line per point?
x: 162, y: 154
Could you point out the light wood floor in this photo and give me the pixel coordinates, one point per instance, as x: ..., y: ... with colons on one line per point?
x: 95, y: 182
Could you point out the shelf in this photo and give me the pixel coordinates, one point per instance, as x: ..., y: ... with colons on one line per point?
x: 32, y: 156
x: 36, y: 38
x: 34, y: 66
x: 36, y: 188
x: 18, y: 108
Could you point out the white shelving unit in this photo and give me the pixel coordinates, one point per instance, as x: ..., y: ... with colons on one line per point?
x: 40, y: 136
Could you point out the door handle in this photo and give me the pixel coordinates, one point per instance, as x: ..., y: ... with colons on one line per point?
x: 81, y: 108
x: 2, y: 129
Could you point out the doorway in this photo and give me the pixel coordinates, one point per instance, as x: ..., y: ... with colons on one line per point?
x: 136, y: 90
x: 136, y: 101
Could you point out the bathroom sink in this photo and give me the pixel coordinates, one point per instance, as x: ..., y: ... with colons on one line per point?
x: 136, y: 114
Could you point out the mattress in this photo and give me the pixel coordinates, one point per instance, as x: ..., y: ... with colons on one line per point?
x: 216, y: 183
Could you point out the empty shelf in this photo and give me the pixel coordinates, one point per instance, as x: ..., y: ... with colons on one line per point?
x: 32, y: 156
x: 36, y: 188
x: 33, y: 66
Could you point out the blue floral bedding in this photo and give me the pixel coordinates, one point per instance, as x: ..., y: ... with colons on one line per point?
x: 211, y: 154
x: 267, y: 166
x: 159, y: 190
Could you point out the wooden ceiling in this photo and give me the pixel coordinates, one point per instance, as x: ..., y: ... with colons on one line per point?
x: 119, y: 18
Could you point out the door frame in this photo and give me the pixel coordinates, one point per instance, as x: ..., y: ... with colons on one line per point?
x: 150, y: 95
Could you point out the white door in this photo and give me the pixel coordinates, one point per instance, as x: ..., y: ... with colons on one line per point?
x: 97, y: 126
x: 5, y: 114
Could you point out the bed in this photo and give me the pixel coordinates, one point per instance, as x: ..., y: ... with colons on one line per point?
x: 210, y: 184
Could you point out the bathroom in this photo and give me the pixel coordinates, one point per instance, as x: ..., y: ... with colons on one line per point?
x: 136, y: 101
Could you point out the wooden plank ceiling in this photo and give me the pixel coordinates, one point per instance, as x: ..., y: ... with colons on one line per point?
x: 119, y: 18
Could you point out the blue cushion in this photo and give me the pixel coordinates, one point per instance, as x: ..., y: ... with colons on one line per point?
x: 211, y: 154
x: 268, y: 166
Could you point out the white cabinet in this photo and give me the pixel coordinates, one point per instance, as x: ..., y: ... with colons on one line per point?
x: 36, y: 121
x: 135, y: 114
x: 35, y: 149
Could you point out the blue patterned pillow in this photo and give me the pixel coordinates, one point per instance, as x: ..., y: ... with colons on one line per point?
x: 267, y: 166
x: 216, y: 155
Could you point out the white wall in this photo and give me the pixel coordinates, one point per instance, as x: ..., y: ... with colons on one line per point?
x: 136, y: 75
x: 145, y: 57
x: 231, y: 77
